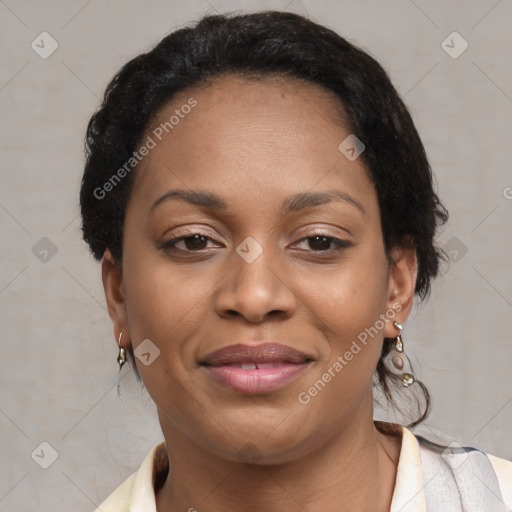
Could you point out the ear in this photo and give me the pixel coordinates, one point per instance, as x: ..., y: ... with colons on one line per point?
x: 401, y: 284
x: 114, y: 293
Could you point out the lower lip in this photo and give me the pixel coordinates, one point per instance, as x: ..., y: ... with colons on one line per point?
x: 254, y: 382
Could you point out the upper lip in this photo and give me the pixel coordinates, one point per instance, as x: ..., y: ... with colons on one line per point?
x: 262, y: 353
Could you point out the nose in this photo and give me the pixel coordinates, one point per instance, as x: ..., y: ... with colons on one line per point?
x: 256, y: 290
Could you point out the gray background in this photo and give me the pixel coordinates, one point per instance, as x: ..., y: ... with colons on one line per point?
x: 59, y: 378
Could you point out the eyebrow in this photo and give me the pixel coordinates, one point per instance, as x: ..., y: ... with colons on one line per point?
x: 291, y: 204
x: 308, y: 199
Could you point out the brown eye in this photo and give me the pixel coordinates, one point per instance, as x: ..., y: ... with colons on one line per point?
x: 194, y: 242
x: 320, y: 243
x: 324, y: 243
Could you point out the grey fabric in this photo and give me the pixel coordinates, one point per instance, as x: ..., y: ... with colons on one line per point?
x: 458, y: 479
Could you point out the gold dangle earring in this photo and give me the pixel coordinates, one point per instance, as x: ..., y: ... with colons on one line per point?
x: 397, y: 362
x: 121, y: 357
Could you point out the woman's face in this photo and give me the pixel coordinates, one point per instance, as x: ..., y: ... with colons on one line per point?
x: 258, y: 170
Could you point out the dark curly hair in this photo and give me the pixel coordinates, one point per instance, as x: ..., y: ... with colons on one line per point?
x: 260, y: 45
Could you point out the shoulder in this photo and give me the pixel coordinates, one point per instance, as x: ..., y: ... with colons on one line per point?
x: 503, y: 470
x: 119, y: 500
x: 137, y: 492
x: 477, y: 476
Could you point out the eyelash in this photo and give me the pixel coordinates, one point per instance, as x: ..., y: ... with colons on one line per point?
x: 169, y: 246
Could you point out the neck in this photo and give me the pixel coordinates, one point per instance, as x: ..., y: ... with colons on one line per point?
x: 353, y: 470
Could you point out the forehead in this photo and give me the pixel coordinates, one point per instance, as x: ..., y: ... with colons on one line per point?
x: 249, y: 136
x: 270, y: 91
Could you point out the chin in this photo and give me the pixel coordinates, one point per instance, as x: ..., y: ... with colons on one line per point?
x: 268, y: 445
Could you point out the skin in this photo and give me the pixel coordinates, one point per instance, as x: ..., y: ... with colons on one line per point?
x: 255, y: 143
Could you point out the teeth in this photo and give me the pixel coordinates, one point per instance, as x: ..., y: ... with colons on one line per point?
x: 260, y: 366
x: 263, y: 366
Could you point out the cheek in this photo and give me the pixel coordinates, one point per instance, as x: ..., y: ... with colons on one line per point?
x: 352, y: 294
x: 347, y: 307
x: 352, y: 340
x: 166, y: 306
x: 162, y: 300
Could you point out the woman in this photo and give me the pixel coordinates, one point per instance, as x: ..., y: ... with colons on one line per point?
x: 263, y: 209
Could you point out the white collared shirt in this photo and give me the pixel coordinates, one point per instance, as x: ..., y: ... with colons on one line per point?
x: 136, y: 493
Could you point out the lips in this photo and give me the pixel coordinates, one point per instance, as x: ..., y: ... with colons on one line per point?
x: 256, y: 355
x: 256, y: 369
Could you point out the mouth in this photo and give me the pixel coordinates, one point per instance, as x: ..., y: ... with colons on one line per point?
x: 251, y: 365
x: 255, y: 369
